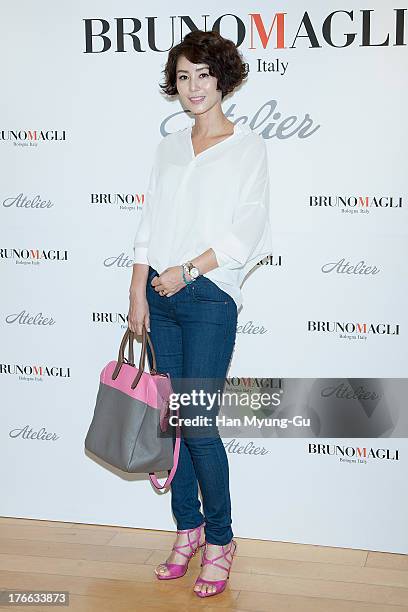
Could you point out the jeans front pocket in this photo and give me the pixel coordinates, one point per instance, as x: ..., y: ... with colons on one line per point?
x: 205, y: 290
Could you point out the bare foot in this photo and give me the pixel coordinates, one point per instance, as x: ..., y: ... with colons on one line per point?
x: 175, y: 557
x: 214, y: 572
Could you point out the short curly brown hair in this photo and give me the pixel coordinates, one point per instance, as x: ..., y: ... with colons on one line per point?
x: 221, y: 54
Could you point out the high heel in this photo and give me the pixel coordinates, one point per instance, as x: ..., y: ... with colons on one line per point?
x: 177, y: 570
x: 219, y: 584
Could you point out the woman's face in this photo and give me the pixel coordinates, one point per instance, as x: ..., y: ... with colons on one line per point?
x: 196, y: 87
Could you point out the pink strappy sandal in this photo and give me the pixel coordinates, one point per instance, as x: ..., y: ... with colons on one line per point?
x: 219, y: 584
x: 178, y: 570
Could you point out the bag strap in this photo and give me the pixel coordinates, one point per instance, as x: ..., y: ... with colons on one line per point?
x: 153, y: 369
x: 129, y: 336
x: 176, y: 453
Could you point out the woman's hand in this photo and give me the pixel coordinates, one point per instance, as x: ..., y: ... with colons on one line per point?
x: 139, y: 314
x: 170, y: 281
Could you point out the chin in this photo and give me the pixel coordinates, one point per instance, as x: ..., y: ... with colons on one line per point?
x: 199, y: 111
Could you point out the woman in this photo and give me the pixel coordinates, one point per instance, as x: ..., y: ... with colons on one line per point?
x: 204, y: 224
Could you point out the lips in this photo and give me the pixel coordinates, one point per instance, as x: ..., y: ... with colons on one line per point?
x: 197, y: 100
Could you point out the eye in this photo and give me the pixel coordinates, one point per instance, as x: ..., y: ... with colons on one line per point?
x: 204, y: 74
x: 181, y: 76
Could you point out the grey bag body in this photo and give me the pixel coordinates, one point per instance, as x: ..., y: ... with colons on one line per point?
x: 124, y: 432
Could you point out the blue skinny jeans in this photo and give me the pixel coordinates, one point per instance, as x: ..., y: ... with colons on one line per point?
x: 193, y: 333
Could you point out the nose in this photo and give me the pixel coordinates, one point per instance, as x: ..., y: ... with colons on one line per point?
x: 194, y: 85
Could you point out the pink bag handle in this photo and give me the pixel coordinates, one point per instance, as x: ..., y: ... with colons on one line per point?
x: 176, y: 453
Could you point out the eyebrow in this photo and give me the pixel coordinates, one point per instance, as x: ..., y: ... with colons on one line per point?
x: 197, y: 69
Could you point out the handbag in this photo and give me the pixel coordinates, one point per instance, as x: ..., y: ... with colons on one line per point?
x: 130, y: 424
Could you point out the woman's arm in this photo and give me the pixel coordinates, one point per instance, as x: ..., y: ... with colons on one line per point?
x: 139, y: 279
x: 139, y: 314
x: 206, y: 261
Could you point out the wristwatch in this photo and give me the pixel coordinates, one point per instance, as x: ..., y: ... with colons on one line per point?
x: 191, y: 269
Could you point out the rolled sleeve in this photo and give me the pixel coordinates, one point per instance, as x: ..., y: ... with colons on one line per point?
x: 237, y: 246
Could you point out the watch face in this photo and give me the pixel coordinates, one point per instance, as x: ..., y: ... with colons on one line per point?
x: 194, y: 272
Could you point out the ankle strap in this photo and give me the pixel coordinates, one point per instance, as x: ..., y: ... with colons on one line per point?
x: 192, y: 543
x: 223, y: 555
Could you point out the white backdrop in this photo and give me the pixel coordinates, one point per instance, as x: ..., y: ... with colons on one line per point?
x: 334, y: 118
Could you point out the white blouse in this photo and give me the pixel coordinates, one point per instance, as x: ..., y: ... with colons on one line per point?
x: 218, y: 198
